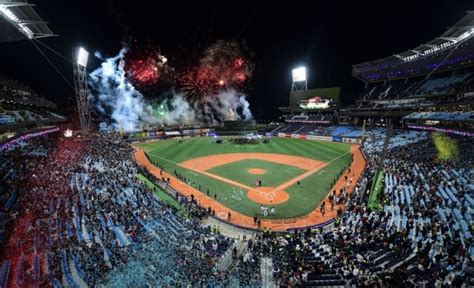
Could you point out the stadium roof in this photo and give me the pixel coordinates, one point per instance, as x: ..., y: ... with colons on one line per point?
x: 458, y: 33
x: 19, y: 21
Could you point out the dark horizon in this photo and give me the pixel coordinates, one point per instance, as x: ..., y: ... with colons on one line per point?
x: 327, y: 38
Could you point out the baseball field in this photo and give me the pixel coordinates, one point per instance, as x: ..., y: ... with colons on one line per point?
x: 292, y: 176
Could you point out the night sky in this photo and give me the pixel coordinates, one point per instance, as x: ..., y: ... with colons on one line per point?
x: 326, y: 36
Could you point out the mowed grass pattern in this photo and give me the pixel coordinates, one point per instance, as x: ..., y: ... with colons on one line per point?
x: 303, y: 198
x: 275, y: 175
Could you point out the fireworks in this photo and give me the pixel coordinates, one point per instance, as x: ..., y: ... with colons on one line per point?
x: 200, y: 81
x: 145, y: 67
x: 143, y: 71
x: 211, y: 88
x: 223, y: 65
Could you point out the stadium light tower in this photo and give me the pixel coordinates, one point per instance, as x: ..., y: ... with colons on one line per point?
x: 299, y: 79
x: 80, y: 87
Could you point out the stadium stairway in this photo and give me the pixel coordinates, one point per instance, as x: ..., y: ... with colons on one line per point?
x: 75, y: 274
x: 266, y: 269
x: 300, y: 129
x: 227, y: 259
x: 277, y: 129
x: 85, y: 233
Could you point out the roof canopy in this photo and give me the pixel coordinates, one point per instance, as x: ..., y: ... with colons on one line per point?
x: 19, y: 21
x: 459, y: 33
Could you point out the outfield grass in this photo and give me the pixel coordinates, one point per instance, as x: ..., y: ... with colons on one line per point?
x: 303, y: 198
x: 275, y: 175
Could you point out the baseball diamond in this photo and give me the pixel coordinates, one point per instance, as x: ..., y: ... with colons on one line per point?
x: 290, y: 177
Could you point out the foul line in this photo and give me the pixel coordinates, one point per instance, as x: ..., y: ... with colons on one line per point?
x: 306, y: 174
x: 225, y: 180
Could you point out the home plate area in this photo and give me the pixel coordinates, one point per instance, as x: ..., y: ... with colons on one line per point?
x: 268, y: 195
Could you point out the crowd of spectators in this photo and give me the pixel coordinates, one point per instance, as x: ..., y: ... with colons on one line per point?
x: 446, y: 88
x: 443, y: 116
x: 19, y: 103
x: 309, y: 118
x: 421, y: 236
x: 74, y: 213
x: 77, y: 214
x: 16, y: 113
x: 319, y: 130
x: 36, y: 179
x: 447, y: 83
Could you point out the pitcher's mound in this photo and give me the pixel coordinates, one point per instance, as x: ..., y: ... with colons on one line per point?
x: 257, y: 171
x: 267, y: 196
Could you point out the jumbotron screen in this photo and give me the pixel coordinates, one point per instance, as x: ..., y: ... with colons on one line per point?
x: 315, y: 99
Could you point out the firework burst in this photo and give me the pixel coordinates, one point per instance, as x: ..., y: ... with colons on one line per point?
x: 200, y: 81
x: 146, y: 67
x: 143, y: 71
x: 224, y: 65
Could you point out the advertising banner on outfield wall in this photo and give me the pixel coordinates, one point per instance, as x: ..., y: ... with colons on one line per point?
x: 281, y: 135
x: 295, y: 136
x: 190, y: 131
x: 320, y: 138
x: 351, y: 140
x: 172, y: 133
x: 336, y: 139
x: 195, y: 131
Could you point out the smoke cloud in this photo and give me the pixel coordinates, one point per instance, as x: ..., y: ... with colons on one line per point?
x: 116, y: 98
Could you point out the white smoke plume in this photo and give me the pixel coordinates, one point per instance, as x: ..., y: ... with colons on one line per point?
x: 230, y: 105
x: 179, y: 112
x: 114, y: 96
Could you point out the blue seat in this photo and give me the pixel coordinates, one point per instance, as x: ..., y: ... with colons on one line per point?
x: 4, y: 273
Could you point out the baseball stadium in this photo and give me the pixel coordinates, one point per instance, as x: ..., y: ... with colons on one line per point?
x: 246, y: 144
